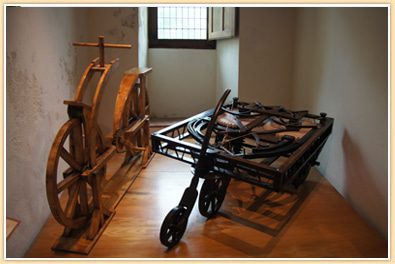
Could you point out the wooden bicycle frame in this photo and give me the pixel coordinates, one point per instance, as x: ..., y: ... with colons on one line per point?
x: 87, y: 164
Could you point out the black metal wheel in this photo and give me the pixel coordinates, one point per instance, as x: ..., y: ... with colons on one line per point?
x: 173, y: 227
x: 212, y: 195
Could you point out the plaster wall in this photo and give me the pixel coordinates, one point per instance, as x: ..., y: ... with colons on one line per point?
x: 143, y: 37
x: 266, y: 54
x: 227, y: 76
x: 40, y: 74
x: 182, y: 82
x: 341, y: 68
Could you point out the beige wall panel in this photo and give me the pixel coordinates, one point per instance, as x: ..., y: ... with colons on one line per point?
x: 341, y: 69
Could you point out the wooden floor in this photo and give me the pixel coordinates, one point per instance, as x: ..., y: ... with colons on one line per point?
x: 252, y: 223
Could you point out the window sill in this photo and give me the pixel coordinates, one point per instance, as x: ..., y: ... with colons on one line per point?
x: 183, y: 44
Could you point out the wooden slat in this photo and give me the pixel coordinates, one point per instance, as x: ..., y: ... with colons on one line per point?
x: 136, y: 126
x: 78, y: 104
x: 67, y: 182
x: 76, y: 144
x: 98, y: 68
x: 94, y: 225
x: 84, y: 202
x: 106, y: 45
x: 72, y: 202
x: 132, y: 147
x: 69, y: 159
x: 100, y: 162
x: 139, y: 71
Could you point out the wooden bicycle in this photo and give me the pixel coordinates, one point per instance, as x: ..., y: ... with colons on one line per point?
x: 76, y: 167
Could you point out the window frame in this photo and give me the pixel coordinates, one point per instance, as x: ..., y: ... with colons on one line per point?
x: 154, y: 42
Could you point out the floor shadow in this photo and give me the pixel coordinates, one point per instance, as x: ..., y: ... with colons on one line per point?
x: 268, y: 212
x: 115, y: 186
x: 262, y: 210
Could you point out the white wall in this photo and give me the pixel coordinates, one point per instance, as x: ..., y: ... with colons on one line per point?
x: 266, y: 54
x: 227, y: 67
x: 42, y: 71
x: 341, y: 69
x: 182, y: 82
x: 143, y: 37
x: 40, y: 75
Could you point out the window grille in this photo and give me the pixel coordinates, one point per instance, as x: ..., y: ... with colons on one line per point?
x: 182, y: 23
x: 179, y: 27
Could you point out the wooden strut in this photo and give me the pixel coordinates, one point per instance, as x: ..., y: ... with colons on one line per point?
x: 76, y: 201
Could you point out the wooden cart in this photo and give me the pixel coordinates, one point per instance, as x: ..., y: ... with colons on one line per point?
x: 266, y: 146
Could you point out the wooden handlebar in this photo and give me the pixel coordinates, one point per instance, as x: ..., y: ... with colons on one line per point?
x: 106, y: 45
x: 101, y: 45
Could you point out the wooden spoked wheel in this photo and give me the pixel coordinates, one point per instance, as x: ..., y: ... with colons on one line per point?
x: 70, y: 195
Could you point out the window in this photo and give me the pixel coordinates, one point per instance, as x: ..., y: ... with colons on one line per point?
x: 222, y: 22
x: 179, y: 27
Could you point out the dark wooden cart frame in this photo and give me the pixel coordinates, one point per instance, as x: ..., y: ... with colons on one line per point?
x: 209, y: 163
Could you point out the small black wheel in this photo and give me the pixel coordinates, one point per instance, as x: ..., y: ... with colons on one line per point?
x: 302, y: 175
x: 212, y: 195
x: 173, y: 227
